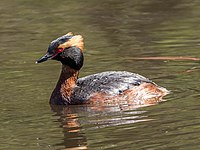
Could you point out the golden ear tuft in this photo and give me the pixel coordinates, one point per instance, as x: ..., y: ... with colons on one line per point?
x: 70, y: 33
x: 76, y: 40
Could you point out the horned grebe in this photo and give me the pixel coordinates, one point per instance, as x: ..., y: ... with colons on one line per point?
x: 101, y: 88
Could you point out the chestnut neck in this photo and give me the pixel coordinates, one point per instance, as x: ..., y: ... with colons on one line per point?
x: 65, y: 85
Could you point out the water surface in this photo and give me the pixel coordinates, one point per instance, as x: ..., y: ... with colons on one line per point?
x: 115, y: 33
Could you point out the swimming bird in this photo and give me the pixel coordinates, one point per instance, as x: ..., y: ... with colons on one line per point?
x: 101, y: 88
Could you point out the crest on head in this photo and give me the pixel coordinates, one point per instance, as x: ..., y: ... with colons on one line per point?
x: 75, y: 40
x: 66, y: 41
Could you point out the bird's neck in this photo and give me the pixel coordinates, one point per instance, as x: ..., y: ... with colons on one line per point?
x: 65, y: 86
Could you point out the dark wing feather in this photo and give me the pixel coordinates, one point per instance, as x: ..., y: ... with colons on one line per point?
x: 111, y: 82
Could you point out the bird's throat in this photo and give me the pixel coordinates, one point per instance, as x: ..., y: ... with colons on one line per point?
x: 65, y: 85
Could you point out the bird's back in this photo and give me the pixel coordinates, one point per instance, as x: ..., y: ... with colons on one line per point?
x: 111, y: 82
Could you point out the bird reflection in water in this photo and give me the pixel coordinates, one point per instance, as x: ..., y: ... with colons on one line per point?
x: 76, y: 120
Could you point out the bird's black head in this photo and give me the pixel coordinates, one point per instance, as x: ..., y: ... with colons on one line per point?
x: 67, y: 49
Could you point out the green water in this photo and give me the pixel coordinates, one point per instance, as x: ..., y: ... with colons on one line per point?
x: 115, y: 32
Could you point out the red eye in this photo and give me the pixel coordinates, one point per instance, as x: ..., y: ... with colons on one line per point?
x: 59, y: 50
